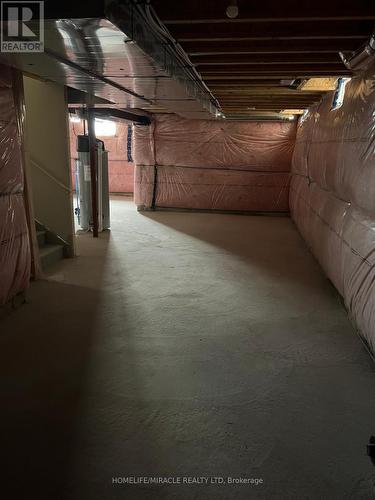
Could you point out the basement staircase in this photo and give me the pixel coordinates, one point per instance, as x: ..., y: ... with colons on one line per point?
x: 51, y: 250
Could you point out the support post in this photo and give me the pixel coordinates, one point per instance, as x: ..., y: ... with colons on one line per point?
x: 93, y: 168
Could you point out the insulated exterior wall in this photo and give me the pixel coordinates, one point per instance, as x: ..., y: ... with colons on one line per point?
x: 332, y: 195
x: 213, y: 165
x: 14, y: 239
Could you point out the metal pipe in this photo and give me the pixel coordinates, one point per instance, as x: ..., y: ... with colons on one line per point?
x: 93, y: 169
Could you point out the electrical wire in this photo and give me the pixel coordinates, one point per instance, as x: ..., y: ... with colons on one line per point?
x: 157, y: 27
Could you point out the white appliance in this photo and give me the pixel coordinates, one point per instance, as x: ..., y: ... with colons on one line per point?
x: 83, y: 208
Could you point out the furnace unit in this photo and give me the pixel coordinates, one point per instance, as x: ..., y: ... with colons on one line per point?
x: 83, y: 184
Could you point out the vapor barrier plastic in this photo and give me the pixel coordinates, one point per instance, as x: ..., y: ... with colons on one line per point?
x: 14, y: 239
x: 332, y: 195
x: 214, y: 165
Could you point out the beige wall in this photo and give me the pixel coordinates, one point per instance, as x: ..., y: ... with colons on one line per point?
x: 48, y: 156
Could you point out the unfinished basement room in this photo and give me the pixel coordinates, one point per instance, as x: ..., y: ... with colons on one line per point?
x: 187, y: 250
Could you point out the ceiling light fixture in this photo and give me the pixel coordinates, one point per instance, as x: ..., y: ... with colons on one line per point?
x: 232, y: 9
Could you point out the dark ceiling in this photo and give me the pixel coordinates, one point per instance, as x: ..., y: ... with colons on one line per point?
x: 243, y: 60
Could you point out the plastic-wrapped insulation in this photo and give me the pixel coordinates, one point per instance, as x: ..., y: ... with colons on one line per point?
x: 14, y: 238
x: 212, y: 165
x: 332, y: 195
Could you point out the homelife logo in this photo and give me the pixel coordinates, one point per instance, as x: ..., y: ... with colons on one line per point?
x: 22, y: 26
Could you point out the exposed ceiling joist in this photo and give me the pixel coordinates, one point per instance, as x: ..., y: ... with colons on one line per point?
x: 258, y: 59
x: 272, y: 31
x: 270, y: 101
x: 289, y: 68
x: 276, y: 91
x: 296, y: 95
x: 220, y: 77
x: 198, y: 10
x: 249, y: 59
x: 194, y: 48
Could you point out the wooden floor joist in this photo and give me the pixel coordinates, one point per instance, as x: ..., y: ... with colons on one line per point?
x: 259, y: 58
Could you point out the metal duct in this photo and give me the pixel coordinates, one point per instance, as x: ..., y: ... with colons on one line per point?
x: 109, y: 113
x: 119, y: 58
x: 362, y: 58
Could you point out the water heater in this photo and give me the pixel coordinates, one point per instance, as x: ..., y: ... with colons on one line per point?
x: 83, y: 184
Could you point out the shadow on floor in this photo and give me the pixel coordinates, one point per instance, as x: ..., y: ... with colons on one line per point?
x: 118, y: 367
x: 278, y: 250
x: 44, y: 357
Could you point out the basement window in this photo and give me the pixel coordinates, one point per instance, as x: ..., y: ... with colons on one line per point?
x: 74, y: 118
x: 304, y: 115
x: 338, y: 96
x: 105, y: 128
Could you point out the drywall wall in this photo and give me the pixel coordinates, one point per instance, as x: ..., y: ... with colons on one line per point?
x: 215, y: 165
x: 120, y: 170
x: 332, y: 195
x: 14, y: 239
x: 48, y: 157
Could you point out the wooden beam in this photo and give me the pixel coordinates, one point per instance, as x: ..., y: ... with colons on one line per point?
x: 260, y: 82
x: 287, y: 104
x: 314, y: 46
x: 251, y: 107
x: 265, y: 99
x: 249, y: 59
x: 244, y: 101
x: 246, y: 114
x: 198, y: 10
x: 258, y: 91
x: 260, y: 108
x: 253, y: 112
x: 268, y: 95
x: 269, y: 30
x: 267, y: 68
x: 289, y: 19
x: 216, y: 77
x: 260, y: 97
x: 267, y: 106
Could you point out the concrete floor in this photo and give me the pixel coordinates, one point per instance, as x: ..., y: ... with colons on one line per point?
x: 185, y: 344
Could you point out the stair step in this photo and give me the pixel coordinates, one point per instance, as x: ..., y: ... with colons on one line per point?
x: 41, y: 237
x: 50, y: 254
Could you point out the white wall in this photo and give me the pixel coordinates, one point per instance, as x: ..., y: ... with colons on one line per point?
x: 48, y: 156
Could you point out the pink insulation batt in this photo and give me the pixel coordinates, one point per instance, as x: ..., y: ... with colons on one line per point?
x: 14, y: 239
x: 332, y: 196
x: 215, y: 165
